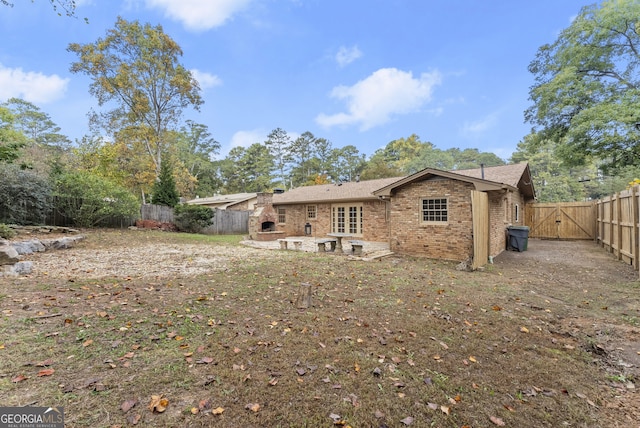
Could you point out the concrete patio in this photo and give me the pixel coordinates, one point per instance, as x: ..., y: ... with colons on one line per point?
x: 370, y: 249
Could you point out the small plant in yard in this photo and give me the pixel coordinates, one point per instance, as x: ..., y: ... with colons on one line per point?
x: 6, y: 232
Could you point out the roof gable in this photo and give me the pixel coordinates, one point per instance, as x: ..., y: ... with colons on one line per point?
x: 514, y: 176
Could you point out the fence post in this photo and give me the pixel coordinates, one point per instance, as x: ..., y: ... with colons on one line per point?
x: 634, y: 226
x: 618, y: 226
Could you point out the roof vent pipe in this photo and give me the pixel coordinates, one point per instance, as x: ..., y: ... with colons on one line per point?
x: 482, y: 171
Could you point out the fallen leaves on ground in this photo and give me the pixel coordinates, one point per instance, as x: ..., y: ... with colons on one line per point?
x: 158, y: 403
x: 254, y: 407
x: 19, y: 378
x: 497, y: 421
x: 128, y: 405
x: 45, y: 372
x: 407, y: 421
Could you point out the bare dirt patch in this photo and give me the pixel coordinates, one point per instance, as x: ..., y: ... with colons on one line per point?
x: 547, y: 337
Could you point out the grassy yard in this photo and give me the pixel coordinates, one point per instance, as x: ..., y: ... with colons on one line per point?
x: 392, y: 343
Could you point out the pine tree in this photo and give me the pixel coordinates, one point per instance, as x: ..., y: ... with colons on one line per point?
x: 164, y: 189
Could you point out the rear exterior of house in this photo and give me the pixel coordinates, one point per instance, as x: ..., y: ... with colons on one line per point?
x: 452, y: 215
x: 436, y: 215
x: 347, y: 207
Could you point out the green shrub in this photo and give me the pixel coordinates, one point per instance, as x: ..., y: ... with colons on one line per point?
x: 25, y: 197
x: 192, y: 218
x: 6, y: 232
x: 88, y: 199
x: 164, y: 189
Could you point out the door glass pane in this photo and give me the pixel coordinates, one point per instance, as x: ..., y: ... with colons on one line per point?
x: 353, y: 220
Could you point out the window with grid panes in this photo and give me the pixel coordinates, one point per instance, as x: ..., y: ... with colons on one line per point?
x: 435, y: 210
x: 311, y: 212
x: 282, y: 215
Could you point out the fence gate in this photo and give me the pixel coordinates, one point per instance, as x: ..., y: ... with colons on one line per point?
x: 480, y: 213
x: 565, y: 220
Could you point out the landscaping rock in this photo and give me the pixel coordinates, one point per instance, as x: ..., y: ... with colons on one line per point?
x: 23, y: 268
x: 28, y: 247
x: 8, y: 255
x: 62, y: 243
x: 20, y: 268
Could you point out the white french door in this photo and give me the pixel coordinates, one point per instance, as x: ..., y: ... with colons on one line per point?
x: 346, y: 218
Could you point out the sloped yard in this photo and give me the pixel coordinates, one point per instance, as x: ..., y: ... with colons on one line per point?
x: 157, y: 329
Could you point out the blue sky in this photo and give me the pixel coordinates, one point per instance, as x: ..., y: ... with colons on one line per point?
x: 360, y: 72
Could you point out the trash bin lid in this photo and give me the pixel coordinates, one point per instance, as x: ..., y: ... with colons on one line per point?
x: 519, y: 227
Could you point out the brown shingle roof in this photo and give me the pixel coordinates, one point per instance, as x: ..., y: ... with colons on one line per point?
x: 515, y: 175
x: 507, y: 174
x: 350, y: 191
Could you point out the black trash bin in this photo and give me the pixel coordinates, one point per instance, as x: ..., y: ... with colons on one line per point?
x: 518, y: 237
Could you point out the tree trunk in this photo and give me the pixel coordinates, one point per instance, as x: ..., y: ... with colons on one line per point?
x: 304, y: 296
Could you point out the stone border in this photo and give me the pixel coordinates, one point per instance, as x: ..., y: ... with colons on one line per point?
x: 11, y: 252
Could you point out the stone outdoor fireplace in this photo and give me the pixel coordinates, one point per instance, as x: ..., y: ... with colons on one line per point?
x: 262, y: 222
x: 268, y: 226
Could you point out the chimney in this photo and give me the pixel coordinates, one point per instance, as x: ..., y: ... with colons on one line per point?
x: 264, y: 199
x: 482, y: 171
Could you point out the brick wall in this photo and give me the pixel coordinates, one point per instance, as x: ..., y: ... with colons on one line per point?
x: 498, y: 222
x: 374, y: 220
x: 410, y: 235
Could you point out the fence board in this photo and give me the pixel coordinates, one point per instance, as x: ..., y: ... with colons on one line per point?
x: 617, y: 225
x: 229, y: 222
x: 159, y: 213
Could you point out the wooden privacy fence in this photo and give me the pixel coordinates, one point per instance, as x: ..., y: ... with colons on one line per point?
x: 617, y: 225
x: 229, y: 222
x: 225, y: 222
x: 159, y: 213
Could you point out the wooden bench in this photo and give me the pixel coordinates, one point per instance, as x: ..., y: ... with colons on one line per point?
x: 296, y: 242
x: 356, y: 247
x: 322, y: 244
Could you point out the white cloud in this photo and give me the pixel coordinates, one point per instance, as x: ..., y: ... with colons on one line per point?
x: 243, y: 139
x: 199, y: 14
x: 31, y: 86
x: 206, y: 80
x: 346, y: 55
x: 387, y: 92
x: 480, y: 126
x: 247, y: 138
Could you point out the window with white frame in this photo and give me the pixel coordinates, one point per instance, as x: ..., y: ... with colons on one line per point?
x: 282, y: 215
x: 435, y: 210
x: 312, y: 212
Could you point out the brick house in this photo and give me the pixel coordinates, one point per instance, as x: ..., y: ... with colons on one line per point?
x: 349, y: 207
x: 236, y: 201
x: 429, y: 213
x: 454, y: 214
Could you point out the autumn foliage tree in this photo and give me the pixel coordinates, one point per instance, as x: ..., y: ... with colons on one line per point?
x: 135, y: 70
